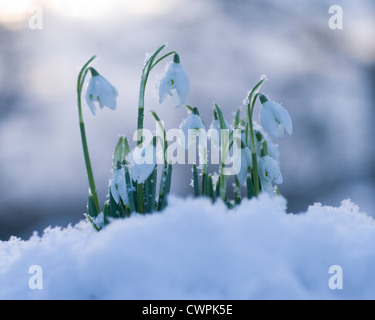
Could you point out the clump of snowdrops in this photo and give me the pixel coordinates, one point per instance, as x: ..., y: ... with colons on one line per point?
x: 243, y: 150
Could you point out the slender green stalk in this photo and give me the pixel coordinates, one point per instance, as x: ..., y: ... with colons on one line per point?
x: 211, y: 192
x: 90, y: 175
x: 153, y: 189
x: 237, y: 191
x: 140, y: 198
x: 250, y: 109
x: 224, y: 148
x: 217, y: 189
x: 195, y: 180
x: 204, y: 181
x: 129, y: 188
x: 167, y: 187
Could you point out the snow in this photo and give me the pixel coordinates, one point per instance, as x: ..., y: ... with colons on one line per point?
x: 196, y: 250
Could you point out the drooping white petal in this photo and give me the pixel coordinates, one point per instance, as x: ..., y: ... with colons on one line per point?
x: 273, y: 152
x: 194, y: 124
x: 246, y: 163
x: 142, y: 163
x: 91, y: 97
x: 175, y: 84
x: 269, y: 172
x: 118, y: 186
x: 275, y: 119
x: 182, y: 83
x: 284, y: 118
x: 100, y: 92
x: 268, y: 121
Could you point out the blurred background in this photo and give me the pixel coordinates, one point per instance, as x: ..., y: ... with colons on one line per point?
x: 324, y: 77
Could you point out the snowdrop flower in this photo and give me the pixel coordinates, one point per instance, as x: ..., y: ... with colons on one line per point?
x: 215, y: 125
x: 100, y: 93
x: 269, y: 171
x: 273, y: 152
x: 142, y: 163
x: 118, y: 186
x: 194, y: 124
x: 274, y: 118
x: 174, y: 83
x: 246, y: 163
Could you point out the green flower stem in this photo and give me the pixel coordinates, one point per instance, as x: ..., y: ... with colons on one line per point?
x: 140, y: 199
x: 153, y: 189
x: 223, y: 179
x: 150, y: 64
x: 167, y: 186
x: 90, y: 175
x: 254, y: 158
x: 162, y: 58
x: 129, y: 189
x: 195, y: 181
x: 204, y: 181
x: 237, y: 191
x: 217, y: 189
x: 211, y: 192
x: 250, y: 109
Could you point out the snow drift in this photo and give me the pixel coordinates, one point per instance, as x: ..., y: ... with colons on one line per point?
x: 196, y: 250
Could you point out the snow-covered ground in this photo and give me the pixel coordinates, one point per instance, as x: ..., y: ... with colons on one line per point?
x: 194, y: 250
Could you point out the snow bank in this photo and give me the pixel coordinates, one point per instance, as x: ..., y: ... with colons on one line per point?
x: 194, y: 250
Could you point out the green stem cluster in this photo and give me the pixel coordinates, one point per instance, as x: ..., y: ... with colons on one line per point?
x: 252, y: 180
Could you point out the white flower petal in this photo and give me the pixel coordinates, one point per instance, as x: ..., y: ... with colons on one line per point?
x: 143, y: 162
x: 275, y: 119
x: 182, y: 83
x: 174, y: 83
x: 246, y: 162
x: 284, y: 118
x: 194, y: 124
x: 100, y: 91
x: 268, y: 120
x: 269, y: 171
x: 118, y: 186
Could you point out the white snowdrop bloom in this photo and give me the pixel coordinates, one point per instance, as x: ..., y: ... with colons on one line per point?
x: 193, y: 124
x: 272, y: 149
x: 142, y: 163
x: 246, y: 163
x: 100, y: 93
x: 118, y: 186
x: 274, y: 118
x: 215, y: 125
x: 175, y: 84
x: 269, y: 172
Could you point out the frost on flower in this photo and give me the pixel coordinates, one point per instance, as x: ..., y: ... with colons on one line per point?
x: 269, y: 172
x: 175, y: 84
x: 118, y: 186
x: 192, y: 127
x: 274, y: 118
x: 142, y: 163
x: 100, y: 93
x: 246, y: 164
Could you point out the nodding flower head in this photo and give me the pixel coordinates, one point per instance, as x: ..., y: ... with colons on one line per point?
x: 274, y: 118
x: 142, y: 162
x: 100, y: 92
x: 118, y: 186
x: 246, y: 165
x: 174, y: 83
x: 192, y: 124
x: 269, y: 172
